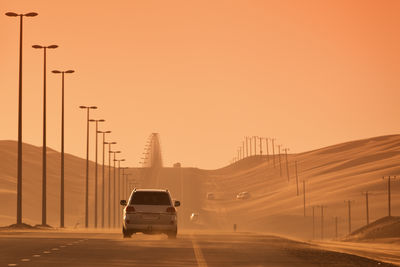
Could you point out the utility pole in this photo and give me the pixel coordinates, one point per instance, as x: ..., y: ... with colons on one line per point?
x: 389, y: 193
x: 260, y: 140
x: 243, y: 149
x: 304, y: 197
x: 313, y: 221
x: 287, y: 164
x: 247, y: 147
x: 322, y: 222
x: 336, y: 227
x: 366, y: 206
x: 297, y: 178
x: 349, y: 216
x: 250, y: 146
x: 266, y: 142
x: 255, y: 145
x: 280, y: 164
x: 273, y: 150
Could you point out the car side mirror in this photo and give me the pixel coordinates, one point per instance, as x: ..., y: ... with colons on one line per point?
x: 177, y: 203
x: 123, y: 202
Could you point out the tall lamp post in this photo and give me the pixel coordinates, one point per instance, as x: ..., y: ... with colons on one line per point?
x: 95, y: 179
x: 19, y: 161
x: 126, y: 184
x: 102, y: 190
x: 62, y: 146
x: 109, y: 181
x: 114, y: 196
x: 44, y: 158
x: 123, y: 183
x: 119, y: 187
x: 88, y: 108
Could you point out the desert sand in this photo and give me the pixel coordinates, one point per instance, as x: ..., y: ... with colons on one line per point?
x: 332, y: 176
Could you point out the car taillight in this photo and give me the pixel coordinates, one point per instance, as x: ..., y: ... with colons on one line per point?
x: 130, y: 209
x: 171, y: 210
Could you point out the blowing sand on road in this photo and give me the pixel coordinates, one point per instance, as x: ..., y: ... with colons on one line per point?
x: 80, y: 248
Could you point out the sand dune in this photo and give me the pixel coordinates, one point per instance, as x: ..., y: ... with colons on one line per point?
x: 332, y: 175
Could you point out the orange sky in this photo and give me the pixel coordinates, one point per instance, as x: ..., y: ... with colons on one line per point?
x: 205, y: 73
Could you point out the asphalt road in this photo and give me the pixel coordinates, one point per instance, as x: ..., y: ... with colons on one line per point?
x: 189, y: 249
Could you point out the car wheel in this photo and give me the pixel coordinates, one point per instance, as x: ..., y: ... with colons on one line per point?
x: 125, y: 233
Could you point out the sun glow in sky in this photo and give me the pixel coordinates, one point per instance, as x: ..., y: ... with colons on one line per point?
x: 204, y: 74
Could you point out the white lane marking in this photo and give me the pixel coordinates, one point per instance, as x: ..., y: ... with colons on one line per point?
x: 55, y: 249
x: 201, y: 262
x: 63, y: 246
x: 46, y: 252
x: 36, y: 256
x: 12, y: 264
x: 25, y: 259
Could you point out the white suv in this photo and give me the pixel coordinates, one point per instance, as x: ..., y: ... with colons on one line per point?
x: 150, y: 211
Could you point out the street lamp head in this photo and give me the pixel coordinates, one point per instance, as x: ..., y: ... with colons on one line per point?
x: 93, y: 107
x: 70, y: 71
x: 56, y: 71
x: 37, y: 46
x: 31, y: 14
x: 101, y: 120
x: 113, y: 143
x: 107, y: 131
x: 122, y: 159
x: 82, y: 107
x: 12, y: 14
x: 52, y: 46
x: 117, y: 151
x: 92, y: 120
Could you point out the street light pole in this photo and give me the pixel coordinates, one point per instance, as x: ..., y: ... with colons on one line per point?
x: 62, y: 146
x: 123, y: 183
x: 95, y: 171
x: 109, y: 181
x: 88, y: 108
x: 127, y: 188
x: 44, y: 150
x: 19, y: 161
x: 114, y: 196
x: 102, y: 189
x: 119, y: 188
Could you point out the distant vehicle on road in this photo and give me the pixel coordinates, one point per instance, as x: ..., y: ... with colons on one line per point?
x: 177, y: 165
x: 243, y: 195
x: 210, y: 196
x: 194, y: 217
x: 150, y: 211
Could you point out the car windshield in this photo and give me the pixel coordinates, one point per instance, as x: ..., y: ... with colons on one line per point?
x: 150, y: 198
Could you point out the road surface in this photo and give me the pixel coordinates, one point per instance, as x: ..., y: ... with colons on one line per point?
x: 68, y: 248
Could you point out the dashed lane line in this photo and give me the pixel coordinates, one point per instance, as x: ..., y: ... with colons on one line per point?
x: 201, y: 262
x: 47, y: 252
